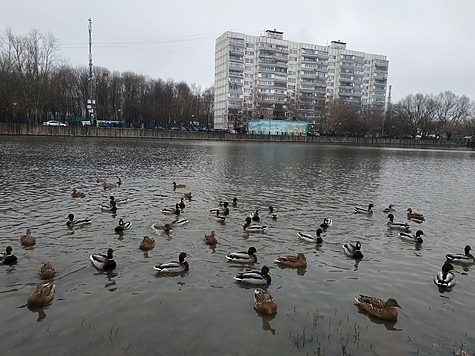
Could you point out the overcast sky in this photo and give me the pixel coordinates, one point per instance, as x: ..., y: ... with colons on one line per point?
x: 429, y: 43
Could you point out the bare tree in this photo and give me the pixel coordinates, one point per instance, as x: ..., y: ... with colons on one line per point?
x: 415, y: 113
x: 451, y: 112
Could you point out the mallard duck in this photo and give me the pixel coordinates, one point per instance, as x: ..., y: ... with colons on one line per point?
x: 264, y: 303
x: 43, y: 294
x: 176, y: 186
x: 223, y: 210
x: 47, y: 271
x: 378, y: 307
x: 466, y: 258
x: 243, y: 257
x: 414, y: 216
x: 76, y: 222
x: 363, y: 210
x: 271, y: 213
x: 326, y: 223
x: 173, y: 266
x: 179, y: 222
x: 187, y: 196
x: 413, y: 238
x: 109, y: 186
x: 210, y: 239
x: 119, y: 181
x: 220, y: 218
x: 312, y: 238
x: 166, y: 228
x: 176, y: 210
x: 77, y: 194
x: 235, y: 200
x: 353, y: 251
x: 8, y: 258
x: 118, y: 201
x: 389, y: 209
x: 255, y: 277
x: 122, y: 225
x: 101, y: 180
x: 27, y: 240
x: 255, y: 216
x: 112, y: 207
x: 445, y: 278
x: 292, y: 261
x: 147, y: 243
x: 182, y: 204
x: 397, y: 226
x: 247, y: 227
x: 104, y: 262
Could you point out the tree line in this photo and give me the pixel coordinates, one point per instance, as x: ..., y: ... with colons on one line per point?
x: 36, y: 85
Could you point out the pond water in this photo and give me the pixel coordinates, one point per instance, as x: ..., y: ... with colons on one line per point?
x: 133, y: 310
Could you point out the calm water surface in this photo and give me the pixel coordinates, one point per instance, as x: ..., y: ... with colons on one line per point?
x: 135, y: 311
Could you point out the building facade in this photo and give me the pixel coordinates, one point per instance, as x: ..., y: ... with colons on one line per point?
x: 268, y: 77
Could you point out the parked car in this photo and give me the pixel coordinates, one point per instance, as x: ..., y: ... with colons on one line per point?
x: 54, y: 123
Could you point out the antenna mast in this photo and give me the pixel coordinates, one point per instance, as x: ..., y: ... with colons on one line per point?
x: 91, y: 102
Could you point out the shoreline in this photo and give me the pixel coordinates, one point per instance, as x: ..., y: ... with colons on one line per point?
x: 85, y: 131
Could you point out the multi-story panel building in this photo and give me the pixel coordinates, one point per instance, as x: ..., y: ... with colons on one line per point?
x: 269, y: 77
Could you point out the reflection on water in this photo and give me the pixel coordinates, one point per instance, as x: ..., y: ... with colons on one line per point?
x: 120, y: 310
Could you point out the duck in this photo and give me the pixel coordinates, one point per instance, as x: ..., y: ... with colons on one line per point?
x: 378, y: 307
x: 244, y: 257
x: 43, y: 295
x: 175, y: 210
x: 166, y: 228
x: 104, y: 262
x: 188, y: 196
x: 359, y: 210
x: 413, y: 238
x: 176, y: 186
x: 112, y: 207
x: 179, y: 222
x: 247, y: 227
x: 271, y: 213
x: 312, y: 238
x: 147, y: 244
x: 219, y: 218
x: 119, y: 201
x: 255, y: 277
x: 8, y: 258
x: 77, y: 194
x: 182, y: 204
x: 27, y: 240
x: 119, y: 181
x: 109, y: 186
x: 122, y: 225
x: 292, y: 261
x: 101, y: 180
x: 47, y: 271
x: 414, y: 216
x: 174, y: 266
x: 76, y: 222
x: 466, y: 258
x: 397, y: 226
x: 264, y: 303
x: 211, y: 239
x: 255, y: 216
x: 327, y: 222
x: 234, y: 203
x: 389, y: 209
x: 353, y: 251
x: 445, y: 278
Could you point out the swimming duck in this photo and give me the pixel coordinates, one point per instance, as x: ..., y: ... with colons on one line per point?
x: 414, y: 216
x: 397, y: 226
x: 179, y: 222
x: 101, y: 180
x: 108, y: 186
x: 413, y: 238
x: 466, y: 258
x: 243, y: 256
x: 112, y: 207
x: 119, y: 201
x: 8, y: 258
x: 122, y: 225
x: 264, y: 303
x: 104, y: 262
x: 292, y: 261
x: 175, y: 210
x: 353, y: 251
x: 187, y: 196
x: 389, y: 209
x: 182, y: 204
x: 147, y: 243
x: 173, y: 266
x: 247, y: 227
x: 76, y: 222
x: 166, y: 228
x: 235, y: 202
x: 363, y: 210
x: 43, y: 294
x: 77, y: 194
x: 445, y: 278
x: 47, y: 271
x: 378, y: 307
x: 211, y: 239
x: 255, y: 216
x: 326, y: 223
x: 220, y: 218
x: 255, y: 277
x: 27, y: 240
x: 271, y: 213
x: 312, y: 238
x: 175, y: 186
x: 119, y: 181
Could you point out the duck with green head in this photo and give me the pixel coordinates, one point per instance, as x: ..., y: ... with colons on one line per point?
x: 243, y: 257
x: 255, y: 277
x: 104, y: 262
x: 174, y: 266
x: 445, y: 277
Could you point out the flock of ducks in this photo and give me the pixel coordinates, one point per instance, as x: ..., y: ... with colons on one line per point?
x: 264, y: 303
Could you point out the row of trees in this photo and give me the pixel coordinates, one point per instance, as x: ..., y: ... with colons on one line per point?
x: 36, y: 85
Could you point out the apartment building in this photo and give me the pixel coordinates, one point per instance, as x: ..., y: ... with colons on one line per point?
x: 272, y: 78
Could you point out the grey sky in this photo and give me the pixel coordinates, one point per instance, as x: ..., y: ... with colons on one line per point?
x: 429, y: 43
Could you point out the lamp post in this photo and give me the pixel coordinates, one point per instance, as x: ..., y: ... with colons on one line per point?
x: 14, y: 111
